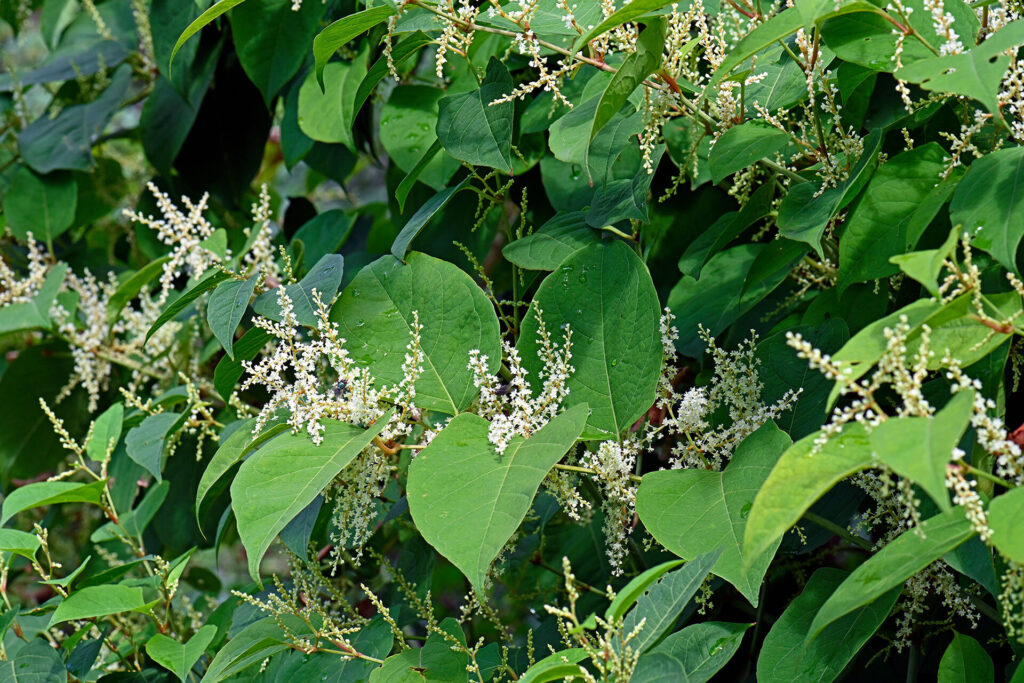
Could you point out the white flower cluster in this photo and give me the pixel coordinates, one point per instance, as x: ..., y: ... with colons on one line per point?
x: 15, y: 289
x: 511, y: 408
x: 942, y: 22
x: 614, y: 464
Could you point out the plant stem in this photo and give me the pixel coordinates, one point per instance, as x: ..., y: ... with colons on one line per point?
x: 842, y: 532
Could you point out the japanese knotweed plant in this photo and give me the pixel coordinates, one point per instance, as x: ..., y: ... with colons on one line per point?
x: 526, y: 340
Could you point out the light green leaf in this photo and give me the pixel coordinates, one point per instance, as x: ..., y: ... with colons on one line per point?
x: 467, y: 500
x: 627, y: 13
x: 145, y: 443
x: 99, y: 601
x: 342, y: 31
x: 965, y: 661
x: 474, y: 131
x: 34, y: 313
x: 131, y: 287
x: 800, y: 477
x: 692, y: 512
x: 324, y: 277
x: 231, y: 450
x: 253, y: 644
x: 554, y: 242
x: 283, y: 477
x: 555, y: 667
x: 376, y: 73
x: 41, y: 204
x: 1004, y: 515
x: 633, y: 72
x: 408, y: 128
x: 43, y: 493
x: 605, y: 295
x: 661, y: 605
x: 920, y: 448
x: 742, y: 146
x: 327, y: 115
x: 205, y: 18
x: 775, y: 29
x: 227, y: 307
x: 179, y: 658
x: 423, y: 215
x: 375, y: 313
x: 903, y: 557
x: 210, y: 281
x: 925, y: 266
x: 692, y: 655
x: 632, y: 591
x: 989, y: 201
x: 786, y: 655
x: 19, y: 542
x: 36, y: 662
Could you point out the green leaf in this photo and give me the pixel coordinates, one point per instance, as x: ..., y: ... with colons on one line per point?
x: 35, y: 313
x: 1004, y: 515
x: 19, y: 542
x: 632, y: 591
x: 989, y: 201
x: 342, y: 31
x: 800, y: 477
x: 271, y: 41
x: 179, y: 658
x: 899, y: 203
x: 230, y: 451
x: 467, y: 500
x: 766, y: 34
x: 474, y: 131
x: 99, y: 601
x: 965, y: 661
x: 409, y: 181
x: 920, y: 448
x: 196, y: 26
x: 788, y: 657
x: 976, y: 73
x: 422, y: 216
x: 376, y: 73
x: 131, y: 287
x: 50, y: 493
x: 283, y: 477
x: 210, y: 281
x: 229, y: 370
x: 253, y: 644
x: 226, y: 309
x: 135, y: 521
x: 41, y: 204
x: 692, y: 512
x: 327, y: 115
x: 605, y: 295
x: 661, y: 605
x: 900, y: 559
x: 145, y: 443
x: 408, y: 125
x: 436, y: 662
x: 629, y: 12
x: 926, y: 266
x: 555, y: 667
x: 633, y: 72
x: 324, y: 234
x: 742, y: 146
x: 324, y: 277
x: 36, y: 662
x: 375, y: 316
x: 554, y: 242
x: 692, y: 655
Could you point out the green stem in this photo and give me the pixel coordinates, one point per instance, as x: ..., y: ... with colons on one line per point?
x: 842, y: 532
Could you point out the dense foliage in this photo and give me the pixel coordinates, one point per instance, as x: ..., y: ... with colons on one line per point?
x: 520, y: 340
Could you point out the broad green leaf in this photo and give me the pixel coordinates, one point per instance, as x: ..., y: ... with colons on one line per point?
x: 34, y: 313
x: 41, y: 204
x: 692, y: 655
x: 989, y: 202
x: 775, y: 29
x: 253, y: 644
x: 552, y: 243
x: 227, y: 307
x: 145, y: 443
x: 467, y: 500
x: 131, y: 287
x: 632, y: 591
x: 423, y: 215
x: 976, y: 73
x: 660, y: 606
x: 323, y: 234
x: 965, y: 661
x: 926, y: 266
x: 605, y: 295
x: 36, y: 662
x: 788, y: 657
x: 66, y: 581
x: 99, y: 601
x: 179, y: 658
x: 555, y: 667
x: 327, y: 114
x: 436, y: 662
x: 1004, y: 516
x: 627, y: 13
x: 408, y: 125
x: 342, y: 31
x: 800, y: 477
x: 210, y: 281
x: 19, y: 542
x: 324, y: 277
x: 283, y: 477
x: 409, y: 181
x: 50, y: 493
x: 229, y: 370
x: 897, y: 205
x: 903, y: 557
x: 375, y: 314
x: 633, y: 72
x: 272, y: 40
x: 475, y: 131
x: 205, y: 18
x: 692, y: 512
x: 373, y: 639
x: 231, y: 450
x: 920, y: 448
x: 376, y: 73
x: 742, y: 146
